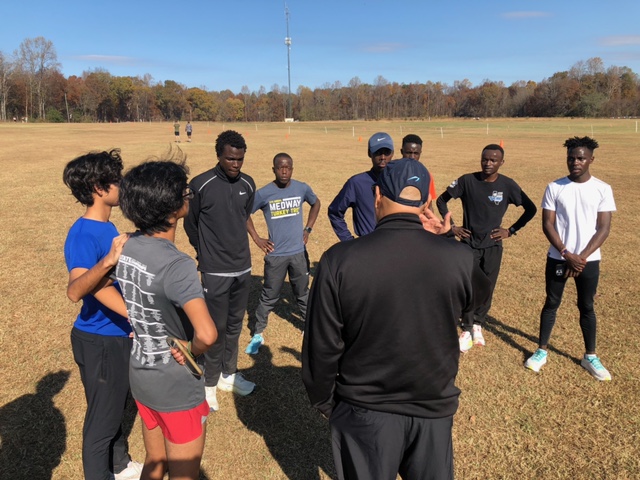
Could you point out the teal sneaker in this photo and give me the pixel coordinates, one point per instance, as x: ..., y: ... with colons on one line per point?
x: 593, y: 365
x: 255, y: 344
x: 537, y: 360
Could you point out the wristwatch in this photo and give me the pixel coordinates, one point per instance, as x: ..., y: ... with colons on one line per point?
x: 308, y: 229
x: 512, y: 231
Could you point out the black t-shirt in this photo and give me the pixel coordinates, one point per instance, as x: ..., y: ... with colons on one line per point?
x: 484, y: 204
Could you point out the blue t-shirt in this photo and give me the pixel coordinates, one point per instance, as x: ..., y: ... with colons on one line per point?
x: 87, y: 242
x: 282, y: 208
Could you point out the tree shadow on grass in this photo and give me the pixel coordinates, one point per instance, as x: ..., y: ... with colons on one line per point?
x: 297, y: 436
x: 508, y: 335
x: 33, y: 431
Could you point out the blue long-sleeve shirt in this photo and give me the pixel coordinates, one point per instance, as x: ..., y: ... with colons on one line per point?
x: 356, y: 194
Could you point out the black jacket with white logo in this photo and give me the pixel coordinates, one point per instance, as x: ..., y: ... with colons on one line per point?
x: 217, y: 221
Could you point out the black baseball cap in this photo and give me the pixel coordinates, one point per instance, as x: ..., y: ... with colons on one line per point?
x: 399, y: 174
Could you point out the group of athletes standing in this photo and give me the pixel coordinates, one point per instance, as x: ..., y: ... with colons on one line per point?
x: 139, y: 291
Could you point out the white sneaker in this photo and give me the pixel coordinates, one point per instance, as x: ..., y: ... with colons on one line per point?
x: 235, y: 383
x: 465, y: 342
x: 478, y: 339
x: 210, y: 393
x: 132, y: 472
x: 593, y: 365
x: 537, y: 360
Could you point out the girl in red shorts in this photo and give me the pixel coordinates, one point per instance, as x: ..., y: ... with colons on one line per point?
x: 164, y: 299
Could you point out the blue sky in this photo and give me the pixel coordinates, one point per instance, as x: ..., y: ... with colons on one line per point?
x: 227, y: 45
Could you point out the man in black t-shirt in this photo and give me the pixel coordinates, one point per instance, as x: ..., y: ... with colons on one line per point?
x: 485, y: 196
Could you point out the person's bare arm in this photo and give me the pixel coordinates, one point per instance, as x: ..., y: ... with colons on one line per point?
x: 441, y: 204
x: 205, y: 333
x: 311, y: 220
x: 575, y: 263
x: 603, y: 227
x: 110, y: 297
x: 83, y: 281
x: 264, y: 244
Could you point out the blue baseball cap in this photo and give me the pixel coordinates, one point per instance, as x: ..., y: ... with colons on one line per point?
x: 380, y: 140
x: 399, y: 174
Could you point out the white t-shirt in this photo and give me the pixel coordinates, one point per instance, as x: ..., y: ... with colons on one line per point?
x: 577, y: 206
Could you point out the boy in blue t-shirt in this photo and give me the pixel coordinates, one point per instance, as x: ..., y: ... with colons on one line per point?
x: 100, y: 335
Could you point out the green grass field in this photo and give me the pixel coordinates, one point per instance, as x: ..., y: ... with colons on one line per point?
x: 512, y: 423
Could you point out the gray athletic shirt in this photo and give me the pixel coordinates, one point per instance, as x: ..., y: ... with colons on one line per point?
x: 157, y: 280
x: 282, y: 208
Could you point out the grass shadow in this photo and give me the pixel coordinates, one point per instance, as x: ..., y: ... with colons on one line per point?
x: 33, y: 431
x: 297, y: 436
x: 507, y: 334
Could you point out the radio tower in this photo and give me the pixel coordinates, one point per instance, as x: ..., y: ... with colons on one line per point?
x: 287, y: 42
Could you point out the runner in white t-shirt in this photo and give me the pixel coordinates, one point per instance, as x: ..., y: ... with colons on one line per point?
x: 576, y: 220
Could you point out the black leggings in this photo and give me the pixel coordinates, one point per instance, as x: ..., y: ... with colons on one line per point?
x: 586, y: 286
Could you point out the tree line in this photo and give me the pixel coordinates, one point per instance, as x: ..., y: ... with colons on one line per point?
x: 32, y: 88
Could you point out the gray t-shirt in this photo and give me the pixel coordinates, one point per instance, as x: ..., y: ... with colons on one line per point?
x: 156, y: 281
x: 282, y: 208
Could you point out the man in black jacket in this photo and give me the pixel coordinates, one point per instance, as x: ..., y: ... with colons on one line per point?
x: 380, y: 352
x: 217, y: 228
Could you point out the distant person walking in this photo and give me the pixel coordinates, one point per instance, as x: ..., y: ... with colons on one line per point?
x: 217, y: 228
x: 189, y: 130
x: 176, y: 131
x: 285, y: 249
x: 356, y: 192
x: 380, y: 352
x: 485, y: 196
x: 576, y: 219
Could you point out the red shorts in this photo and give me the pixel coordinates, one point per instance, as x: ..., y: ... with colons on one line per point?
x: 178, y: 427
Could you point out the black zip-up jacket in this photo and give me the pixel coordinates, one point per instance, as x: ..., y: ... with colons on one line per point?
x: 217, y: 221
x: 381, y: 328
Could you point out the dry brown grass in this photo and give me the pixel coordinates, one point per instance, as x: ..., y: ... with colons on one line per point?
x: 512, y: 423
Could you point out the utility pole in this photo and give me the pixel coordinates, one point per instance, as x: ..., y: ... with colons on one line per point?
x: 287, y: 42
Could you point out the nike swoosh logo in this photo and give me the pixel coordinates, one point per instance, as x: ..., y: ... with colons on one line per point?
x: 379, y: 139
x: 243, y: 193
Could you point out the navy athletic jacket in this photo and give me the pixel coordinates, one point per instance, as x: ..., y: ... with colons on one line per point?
x: 355, y: 194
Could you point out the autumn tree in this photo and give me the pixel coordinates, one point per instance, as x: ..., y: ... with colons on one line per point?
x: 7, y: 69
x: 37, y: 57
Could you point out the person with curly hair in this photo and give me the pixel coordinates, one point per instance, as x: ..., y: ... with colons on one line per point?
x: 100, y: 335
x: 576, y: 219
x: 165, y: 301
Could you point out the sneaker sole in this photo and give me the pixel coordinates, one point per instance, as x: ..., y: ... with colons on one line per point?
x: 594, y: 375
x: 533, y: 369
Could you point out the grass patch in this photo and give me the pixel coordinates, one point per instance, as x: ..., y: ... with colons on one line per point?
x: 511, y: 423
